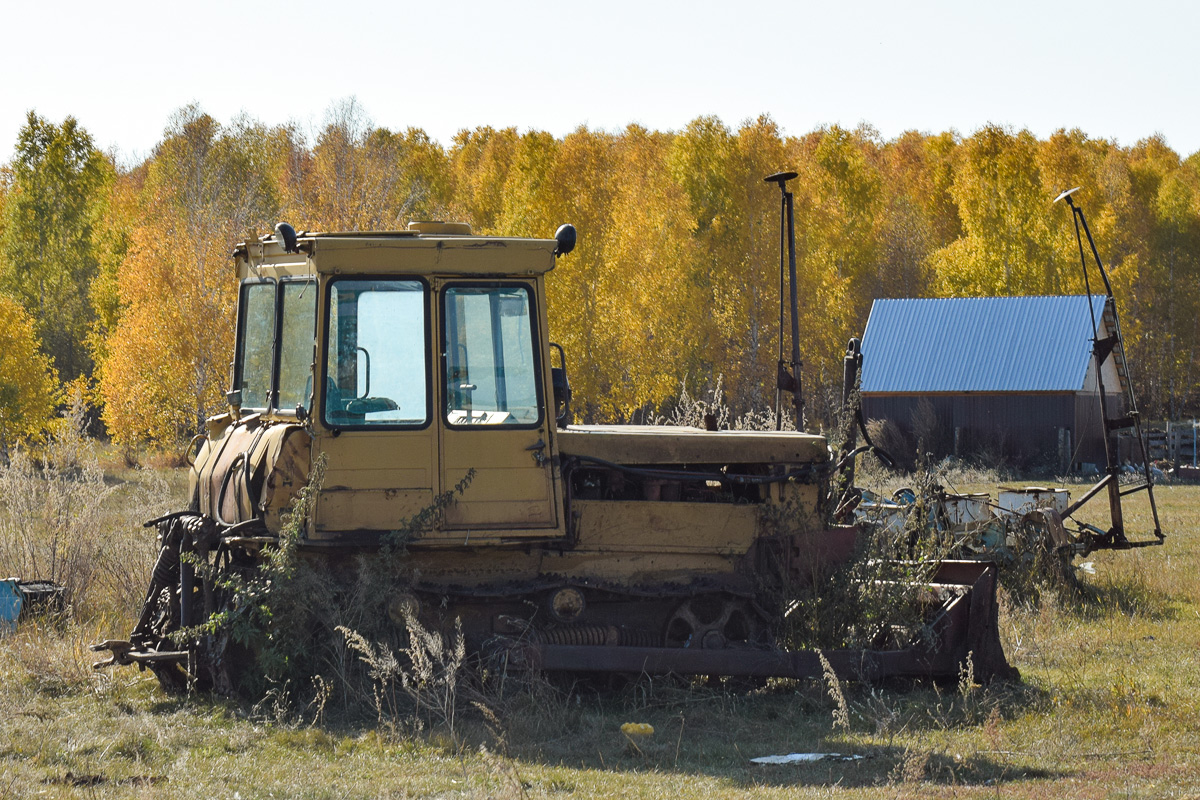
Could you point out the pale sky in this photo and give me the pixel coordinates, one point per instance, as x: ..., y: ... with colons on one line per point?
x: 1117, y: 70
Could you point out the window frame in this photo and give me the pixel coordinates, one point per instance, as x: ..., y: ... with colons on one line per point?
x: 535, y: 341
x: 277, y: 361
x: 326, y: 313
x: 239, y: 355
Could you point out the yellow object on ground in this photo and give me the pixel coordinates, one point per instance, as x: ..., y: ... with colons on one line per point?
x: 637, y: 729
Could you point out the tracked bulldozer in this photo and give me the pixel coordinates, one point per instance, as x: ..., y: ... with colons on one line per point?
x: 411, y: 366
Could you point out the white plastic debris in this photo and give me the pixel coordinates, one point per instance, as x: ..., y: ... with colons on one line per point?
x: 798, y: 758
x: 1088, y: 566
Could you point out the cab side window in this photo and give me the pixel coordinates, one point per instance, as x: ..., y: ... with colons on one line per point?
x: 298, y: 330
x: 490, y: 359
x: 256, y: 339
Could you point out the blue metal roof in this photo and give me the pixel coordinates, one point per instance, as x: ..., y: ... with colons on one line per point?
x: 979, y: 344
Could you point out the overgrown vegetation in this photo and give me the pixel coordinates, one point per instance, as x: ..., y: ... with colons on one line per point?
x: 387, y: 709
x: 338, y: 636
x: 1107, y: 706
x: 63, y: 520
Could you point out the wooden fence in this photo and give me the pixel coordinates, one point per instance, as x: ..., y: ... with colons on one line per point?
x: 1173, y: 441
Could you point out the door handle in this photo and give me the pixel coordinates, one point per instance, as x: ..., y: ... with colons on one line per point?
x: 536, y: 449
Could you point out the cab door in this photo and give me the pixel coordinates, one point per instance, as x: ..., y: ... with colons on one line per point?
x: 376, y: 413
x: 495, y: 432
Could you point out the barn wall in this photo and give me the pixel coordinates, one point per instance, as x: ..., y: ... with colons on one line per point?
x: 1087, y: 426
x: 1024, y: 429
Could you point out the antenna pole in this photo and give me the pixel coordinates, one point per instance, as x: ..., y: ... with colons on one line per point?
x: 788, y: 380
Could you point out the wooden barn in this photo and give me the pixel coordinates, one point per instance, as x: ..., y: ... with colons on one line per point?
x: 1007, y: 377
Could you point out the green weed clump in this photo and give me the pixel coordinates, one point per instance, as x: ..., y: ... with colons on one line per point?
x: 876, y: 599
x: 312, y: 633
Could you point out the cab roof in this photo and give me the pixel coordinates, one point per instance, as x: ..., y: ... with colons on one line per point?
x: 425, y: 249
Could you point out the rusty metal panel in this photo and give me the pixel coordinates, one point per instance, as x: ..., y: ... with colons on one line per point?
x: 434, y: 255
x: 288, y: 459
x: 374, y: 480
x: 368, y: 509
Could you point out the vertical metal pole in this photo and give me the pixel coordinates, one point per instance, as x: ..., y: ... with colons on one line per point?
x: 1111, y: 456
x: 778, y: 370
x: 851, y: 368
x: 797, y: 392
x: 783, y: 380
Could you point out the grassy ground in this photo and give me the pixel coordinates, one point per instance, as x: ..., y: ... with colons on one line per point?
x: 1108, y: 707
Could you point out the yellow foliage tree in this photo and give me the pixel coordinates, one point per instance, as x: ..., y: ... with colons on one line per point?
x: 676, y: 274
x: 28, y: 381
x: 1008, y: 247
x: 359, y: 177
x: 166, y: 364
x: 654, y: 307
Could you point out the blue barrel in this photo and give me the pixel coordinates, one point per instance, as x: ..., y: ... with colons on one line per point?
x: 11, y: 600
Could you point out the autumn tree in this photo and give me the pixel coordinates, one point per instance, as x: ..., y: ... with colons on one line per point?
x: 1006, y: 248
x: 579, y: 189
x: 1160, y: 270
x: 28, y: 383
x: 48, y: 255
x: 721, y: 266
x: 120, y: 211
x: 918, y: 215
x: 479, y: 163
x: 676, y: 274
x: 359, y: 177
x: 653, y: 307
x: 205, y: 188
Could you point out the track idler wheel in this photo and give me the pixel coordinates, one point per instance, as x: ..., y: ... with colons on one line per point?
x: 713, y: 622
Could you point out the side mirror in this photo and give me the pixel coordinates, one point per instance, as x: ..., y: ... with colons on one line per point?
x: 562, y: 388
x: 565, y: 238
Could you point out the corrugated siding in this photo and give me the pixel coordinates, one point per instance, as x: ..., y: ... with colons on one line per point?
x: 979, y: 344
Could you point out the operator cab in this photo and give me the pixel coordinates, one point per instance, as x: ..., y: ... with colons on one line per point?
x: 417, y: 363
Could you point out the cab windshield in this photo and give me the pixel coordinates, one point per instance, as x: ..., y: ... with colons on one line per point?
x: 375, y: 362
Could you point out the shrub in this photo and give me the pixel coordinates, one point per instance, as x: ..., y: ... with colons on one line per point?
x: 308, y: 630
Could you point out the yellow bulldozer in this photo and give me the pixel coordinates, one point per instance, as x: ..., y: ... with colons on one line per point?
x: 408, y: 366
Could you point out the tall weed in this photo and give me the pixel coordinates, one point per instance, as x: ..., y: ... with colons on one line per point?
x: 62, y: 521
x: 331, y: 625
x: 710, y: 409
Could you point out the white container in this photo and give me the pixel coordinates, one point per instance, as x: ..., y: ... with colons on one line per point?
x: 967, y: 509
x: 1019, y: 502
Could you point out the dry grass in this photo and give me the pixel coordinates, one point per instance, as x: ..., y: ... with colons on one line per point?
x: 1108, y: 707
x: 64, y: 519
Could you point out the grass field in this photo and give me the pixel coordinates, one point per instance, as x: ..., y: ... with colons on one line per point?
x: 1107, y: 707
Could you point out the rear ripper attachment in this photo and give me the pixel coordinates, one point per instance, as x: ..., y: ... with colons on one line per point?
x: 411, y: 366
x: 1026, y: 522
x: 1084, y: 538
